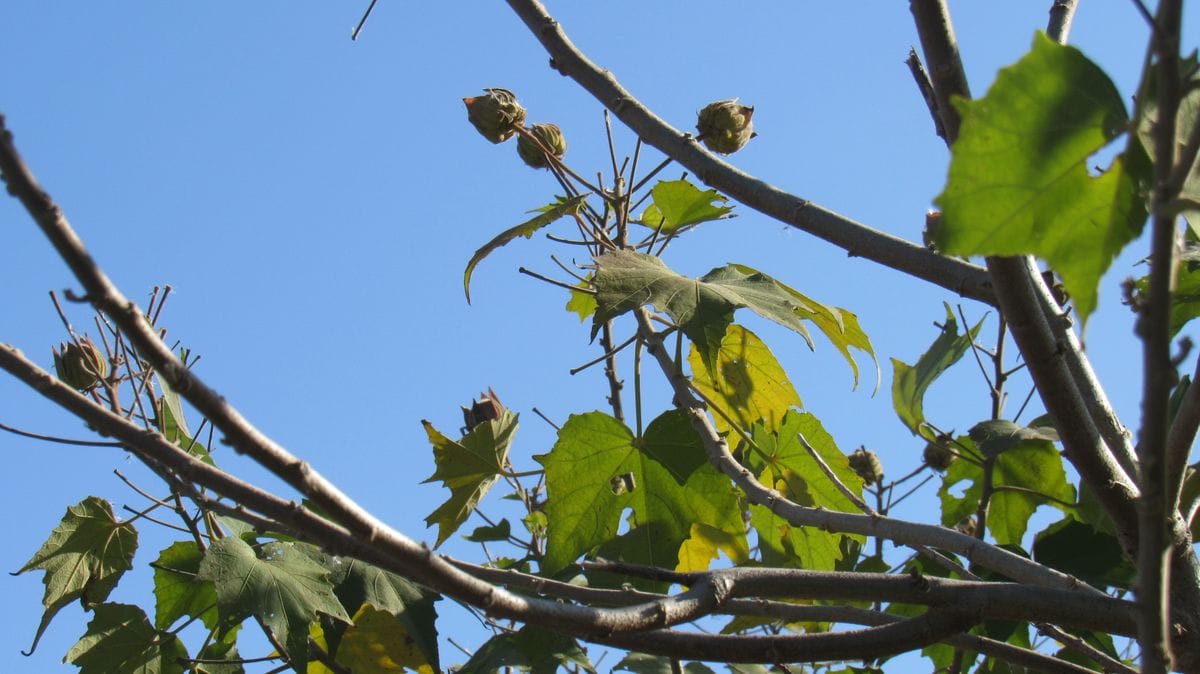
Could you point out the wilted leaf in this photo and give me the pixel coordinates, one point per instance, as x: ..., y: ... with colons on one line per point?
x: 997, y: 435
x: 678, y: 203
x: 468, y: 468
x: 485, y: 534
x: 83, y: 558
x: 534, y: 649
x: 284, y: 588
x: 120, y: 640
x: 584, y: 511
x: 702, y: 307
x: 1019, y: 182
x: 178, y: 590
x: 910, y: 382
x: 744, y: 381
x: 549, y: 214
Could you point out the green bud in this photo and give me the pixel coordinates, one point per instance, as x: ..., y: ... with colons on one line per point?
x: 80, y: 366
x: 725, y: 126
x: 496, y: 114
x: 551, y: 138
x: 867, y: 465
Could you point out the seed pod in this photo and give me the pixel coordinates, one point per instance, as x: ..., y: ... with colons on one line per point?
x: 497, y: 114
x: 80, y: 366
x: 551, y: 138
x: 487, y: 408
x: 867, y: 465
x: 725, y: 126
x: 938, y: 454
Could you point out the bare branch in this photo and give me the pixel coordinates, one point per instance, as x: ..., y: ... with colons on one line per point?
x: 857, y: 239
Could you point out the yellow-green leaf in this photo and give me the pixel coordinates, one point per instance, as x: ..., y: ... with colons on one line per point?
x: 748, y: 384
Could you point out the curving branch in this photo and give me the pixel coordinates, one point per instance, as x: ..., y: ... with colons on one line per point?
x: 855, y: 238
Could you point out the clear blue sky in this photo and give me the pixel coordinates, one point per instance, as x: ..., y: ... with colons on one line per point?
x: 313, y: 201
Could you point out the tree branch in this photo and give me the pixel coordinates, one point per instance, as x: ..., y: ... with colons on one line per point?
x: 857, y: 239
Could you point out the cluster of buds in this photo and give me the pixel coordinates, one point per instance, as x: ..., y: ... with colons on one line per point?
x: 497, y: 114
x: 938, y: 453
x: 725, y: 126
x: 867, y: 465
x: 550, y: 140
x: 487, y: 408
x: 80, y: 365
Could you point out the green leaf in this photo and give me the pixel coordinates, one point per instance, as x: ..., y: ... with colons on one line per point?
x: 998, y: 435
x: 120, y: 640
x: 1185, y: 300
x: 702, y: 307
x: 531, y: 649
x: 178, y: 590
x: 283, y: 588
x: 642, y: 663
x: 583, y: 509
x: 1186, y: 119
x: 1027, y: 474
x: 582, y: 303
x: 678, y: 203
x: 910, y: 382
x: 706, y: 543
x: 1019, y: 183
x: 84, y: 558
x: 221, y: 647
x: 172, y: 425
x: 549, y: 214
x: 468, y: 468
x: 838, y: 325
x: 671, y: 441
x: 786, y: 466
x: 359, y: 584
x: 1091, y: 556
x: 486, y: 534
x: 378, y: 642
x: 744, y: 381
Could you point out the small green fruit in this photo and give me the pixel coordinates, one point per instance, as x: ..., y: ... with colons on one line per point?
x: 867, y: 465
x: 725, y: 126
x: 80, y: 366
x: 551, y: 138
x: 497, y: 114
x: 938, y: 454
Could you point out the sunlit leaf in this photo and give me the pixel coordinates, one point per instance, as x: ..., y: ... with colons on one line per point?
x: 357, y: 584
x: 838, y: 325
x: 178, y: 590
x: 120, y: 640
x: 468, y: 468
x: 702, y: 307
x: 910, y: 382
x: 548, y: 215
x: 1019, y: 182
x: 532, y: 649
x: 83, y: 558
x: 1028, y: 473
x: 784, y: 545
x: 378, y: 643
x: 679, y: 203
x: 283, y: 588
x: 745, y: 381
x: 706, y: 543
x: 582, y: 303
x: 583, y: 509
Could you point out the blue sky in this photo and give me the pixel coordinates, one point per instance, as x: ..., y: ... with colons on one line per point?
x: 312, y: 201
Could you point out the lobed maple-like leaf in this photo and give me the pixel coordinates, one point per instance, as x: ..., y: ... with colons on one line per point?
x: 120, y: 639
x: 468, y: 468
